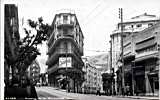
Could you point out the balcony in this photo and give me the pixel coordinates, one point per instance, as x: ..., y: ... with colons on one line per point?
x: 61, y: 36
x: 127, y: 40
x: 52, y: 69
x: 145, y: 43
x: 127, y: 49
x: 67, y: 23
x: 129, y: 30
x: 57, y: 53
x: 146, y: 55
x: 128, y: 57
x: 62, y: 52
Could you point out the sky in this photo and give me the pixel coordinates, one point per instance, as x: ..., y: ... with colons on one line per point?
x: 97, y: 18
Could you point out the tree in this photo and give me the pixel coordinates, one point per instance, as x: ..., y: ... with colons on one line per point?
x: 27, y: 47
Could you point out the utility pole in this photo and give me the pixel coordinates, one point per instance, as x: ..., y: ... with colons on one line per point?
x: 121, y: 17
x: 159, y: 65
x: 66, y: 73
x: 133, y: 63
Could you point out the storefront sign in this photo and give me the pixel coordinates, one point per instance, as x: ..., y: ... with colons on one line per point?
x: 65, y: 62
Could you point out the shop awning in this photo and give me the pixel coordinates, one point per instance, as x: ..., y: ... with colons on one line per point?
x: 153, y: 73
x: 129, y: 57
x: 52, y: 69
x: 146, y: 57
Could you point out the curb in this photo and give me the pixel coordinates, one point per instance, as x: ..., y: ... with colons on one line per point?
x: 147, y: 98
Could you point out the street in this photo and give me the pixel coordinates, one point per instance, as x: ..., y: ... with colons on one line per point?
x: 52, y: 49
x: 53, y: 93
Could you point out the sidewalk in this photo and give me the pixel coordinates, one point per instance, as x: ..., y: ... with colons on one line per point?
x: 77, y: 96
x: 132, y: 97
x: 140, y: 97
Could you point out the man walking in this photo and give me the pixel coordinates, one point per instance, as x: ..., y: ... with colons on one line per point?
x: 98, y: 91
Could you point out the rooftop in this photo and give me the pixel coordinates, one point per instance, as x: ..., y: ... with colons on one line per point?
x: 142, y: 17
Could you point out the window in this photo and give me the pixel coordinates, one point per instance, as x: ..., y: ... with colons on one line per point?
x: 150, y: 24
x: 132, y: 26
x: 65, y: 31
x: 65, y: 18
x: 124, y: 26
x: 139, y: 25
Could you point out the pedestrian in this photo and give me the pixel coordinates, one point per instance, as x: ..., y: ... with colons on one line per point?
x: 127, y: 90
x: 98, y: 91
x: 122, y: 91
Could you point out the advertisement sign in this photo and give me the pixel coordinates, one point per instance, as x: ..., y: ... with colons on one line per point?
x: 65, y: 62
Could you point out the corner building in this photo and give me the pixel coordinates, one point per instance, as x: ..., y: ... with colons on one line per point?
x: 146, y: 63
x: 131, y: 28
x: 65, y: 48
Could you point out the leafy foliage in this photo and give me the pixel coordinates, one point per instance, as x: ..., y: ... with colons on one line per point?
x: 28, y: 50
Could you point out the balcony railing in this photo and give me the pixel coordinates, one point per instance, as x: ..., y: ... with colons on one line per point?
x: 129, y: 30
x: 54, y: 56
x: 147, y: 54
x: 62, y: 51
x: 69, y: 35
x: 145, y: 43
x: 65, y: 22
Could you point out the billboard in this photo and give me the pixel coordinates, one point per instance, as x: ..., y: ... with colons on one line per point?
x: 65, y: 62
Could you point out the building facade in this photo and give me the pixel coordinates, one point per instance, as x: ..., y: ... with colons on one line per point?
x: 11, y: 33
x: 130, y: 27
x: 34, y: 72
x: 65, y: 48
x: 146, y: 63
x: 93, y: 78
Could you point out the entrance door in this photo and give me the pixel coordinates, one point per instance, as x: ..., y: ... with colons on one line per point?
x: 140, y: 84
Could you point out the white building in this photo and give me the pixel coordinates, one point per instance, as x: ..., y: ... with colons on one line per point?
x: 34, y: 72
x: 131, y: 26
x: 93, y: 78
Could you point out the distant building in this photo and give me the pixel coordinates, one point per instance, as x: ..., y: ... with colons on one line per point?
x: 44, y: 79
x: 11, y: 37
x: 65, y: 48
x: 34, y: 72
x: 93, y: 78
x: 130, y: 27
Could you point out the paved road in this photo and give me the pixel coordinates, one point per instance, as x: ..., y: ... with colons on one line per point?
x: 50, y: 93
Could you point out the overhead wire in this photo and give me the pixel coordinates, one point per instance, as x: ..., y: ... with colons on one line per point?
x: 101, y: 50
x: 93, y: 10
x: 100, y: 12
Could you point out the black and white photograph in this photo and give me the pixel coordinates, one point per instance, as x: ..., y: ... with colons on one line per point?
x: 80, y: 50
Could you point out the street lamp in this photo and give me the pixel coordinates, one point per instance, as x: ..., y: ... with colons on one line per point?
x: 121, y: 17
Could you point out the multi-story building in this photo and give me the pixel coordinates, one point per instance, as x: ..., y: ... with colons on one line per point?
x: 93, y: 78
x: 130, y: 27
x: 34, y: 72
x: 65, y: 48
x: 146, y: 63
x: 44, y: 79
x: 11, y: 33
